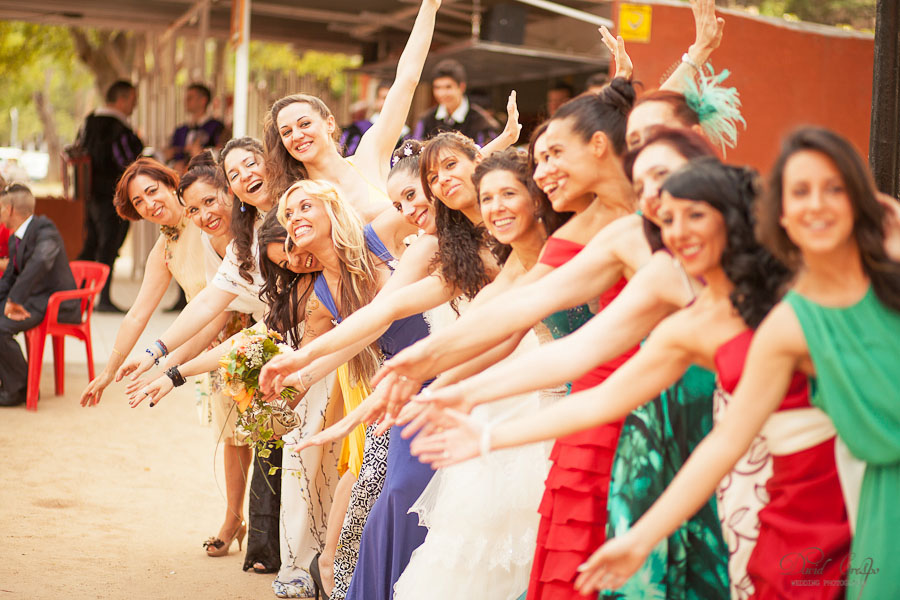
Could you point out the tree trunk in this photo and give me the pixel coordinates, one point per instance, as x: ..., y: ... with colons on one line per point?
x: 45, y: 112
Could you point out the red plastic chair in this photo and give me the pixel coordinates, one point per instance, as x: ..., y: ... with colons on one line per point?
x: 90, y: 277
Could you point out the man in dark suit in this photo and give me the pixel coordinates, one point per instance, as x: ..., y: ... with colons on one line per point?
x: 37, y: 268
x: 454, y: 112
x: 112, y: 145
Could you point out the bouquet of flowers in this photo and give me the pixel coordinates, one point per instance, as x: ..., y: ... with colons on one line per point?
x: 239, y: 370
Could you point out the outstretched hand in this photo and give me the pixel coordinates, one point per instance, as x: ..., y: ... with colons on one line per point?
x: 413, y: 362
x: 135, y: 367
x: 610, y: 567
x: 454, y: 437
x: 616, y: 45
x: 92, y: 393
x: 154, y: 392
x: 280, y: 366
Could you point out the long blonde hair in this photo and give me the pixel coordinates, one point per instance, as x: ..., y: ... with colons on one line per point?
x: 358, y: 267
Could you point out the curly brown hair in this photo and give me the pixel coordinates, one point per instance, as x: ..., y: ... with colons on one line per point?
x: 142, y: 166
x: 243, y: 216
x: 459, y: 240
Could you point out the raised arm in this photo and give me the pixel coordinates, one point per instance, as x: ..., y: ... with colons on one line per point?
x: 653, y: 293
x: 510, y: 133
x: 593, y: 271
x: 153, y: 287
x: 773, y: 357
x: 374, y: 151
x: 656, y: 366
x: 707, y: 38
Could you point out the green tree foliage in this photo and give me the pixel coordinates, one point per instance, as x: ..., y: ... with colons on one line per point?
x: 859, y: 14
x: 38, y: 59
x: 267, y: 57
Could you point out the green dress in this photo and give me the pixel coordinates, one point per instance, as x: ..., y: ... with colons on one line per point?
x: 855, y: 351
x: 655, y: 442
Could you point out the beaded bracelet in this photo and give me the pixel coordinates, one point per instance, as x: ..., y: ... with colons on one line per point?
x: 153, y: 356
x: 162, y: 347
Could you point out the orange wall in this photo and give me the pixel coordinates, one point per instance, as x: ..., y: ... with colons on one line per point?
x: 786, y: 76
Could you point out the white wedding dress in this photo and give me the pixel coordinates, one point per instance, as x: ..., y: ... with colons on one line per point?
x: 482, y: 515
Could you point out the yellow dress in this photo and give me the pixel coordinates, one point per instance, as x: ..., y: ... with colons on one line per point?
x: 352, y: 449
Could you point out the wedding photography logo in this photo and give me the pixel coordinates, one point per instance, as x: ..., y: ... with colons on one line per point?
x: 811, y: 568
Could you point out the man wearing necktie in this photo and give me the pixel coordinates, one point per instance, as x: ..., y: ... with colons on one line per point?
x: 454, y: 111
x: 37, y: 268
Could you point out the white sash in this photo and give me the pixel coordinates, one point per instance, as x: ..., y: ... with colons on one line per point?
x: 790, y: 431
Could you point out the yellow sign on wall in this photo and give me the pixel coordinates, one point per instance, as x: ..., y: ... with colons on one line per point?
x: 634, y: 22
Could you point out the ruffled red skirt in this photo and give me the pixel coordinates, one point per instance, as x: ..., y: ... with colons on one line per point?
x: 804, y: 535
x: 573, y: 509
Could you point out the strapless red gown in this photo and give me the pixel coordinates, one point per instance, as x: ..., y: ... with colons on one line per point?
x: 573, y: 509
x: 804, y: 528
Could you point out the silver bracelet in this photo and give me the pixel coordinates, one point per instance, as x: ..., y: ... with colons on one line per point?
x: 686, y: 59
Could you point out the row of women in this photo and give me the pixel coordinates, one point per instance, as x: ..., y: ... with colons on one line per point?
x: 614, y: 365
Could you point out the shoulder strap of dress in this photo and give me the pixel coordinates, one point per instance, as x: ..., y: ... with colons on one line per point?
x: 376, y: 246
x: 324, y: 296
x: 371, y: 185
x: 686, y: 280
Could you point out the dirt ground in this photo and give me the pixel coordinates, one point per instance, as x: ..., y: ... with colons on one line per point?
x: 113, y: 502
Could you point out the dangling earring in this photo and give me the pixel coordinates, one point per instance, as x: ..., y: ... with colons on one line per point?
x: 243, y: 208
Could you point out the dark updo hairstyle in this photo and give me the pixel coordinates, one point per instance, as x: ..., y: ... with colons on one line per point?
x: 283, y: 169
x: 143, y: 166
x: 606, y: 111
x: 459, y: 240
x: 203, y: 167
x: 515, y: 162
x: 758, y: 277
x: 284, y: 291
x: 869, y: 214
x: 552, y: 220
x: 243, y: 216
x: 685, y: 142
x: 406, y: 158
x: 683, y: 113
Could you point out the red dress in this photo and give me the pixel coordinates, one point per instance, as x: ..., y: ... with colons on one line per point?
x: 573, y: 509
x: 804, y: 535
x: 4, y: 243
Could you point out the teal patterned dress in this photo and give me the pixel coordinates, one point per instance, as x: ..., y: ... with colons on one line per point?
x: 655, y: 442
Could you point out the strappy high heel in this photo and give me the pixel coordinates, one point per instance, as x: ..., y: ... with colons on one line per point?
x: 216, y: 547
x: 317, y: 578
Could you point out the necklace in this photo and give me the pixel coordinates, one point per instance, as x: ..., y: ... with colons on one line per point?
x: 170, y: 232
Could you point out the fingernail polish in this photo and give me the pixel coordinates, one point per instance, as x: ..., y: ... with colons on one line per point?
x: 152, y: 404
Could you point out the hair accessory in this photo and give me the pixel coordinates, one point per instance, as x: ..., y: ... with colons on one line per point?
x: 718, y: 108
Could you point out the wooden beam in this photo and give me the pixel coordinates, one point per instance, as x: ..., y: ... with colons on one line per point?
x: 884, y: 142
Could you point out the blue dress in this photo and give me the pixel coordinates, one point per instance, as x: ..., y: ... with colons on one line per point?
x: 390, y: 534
